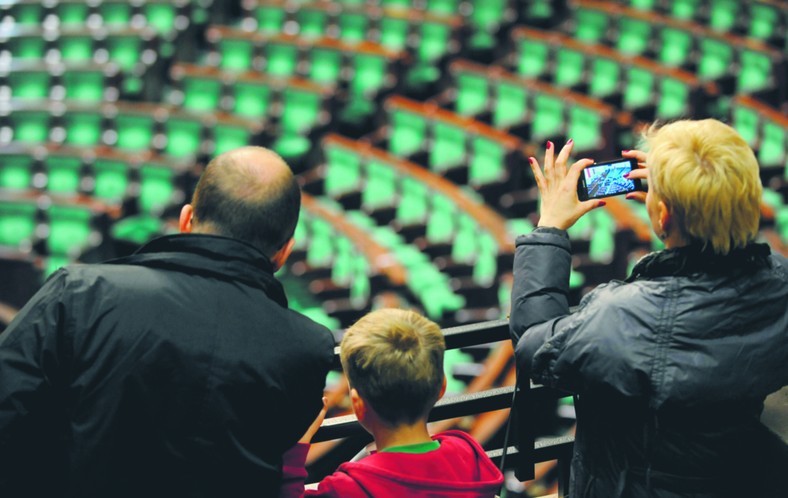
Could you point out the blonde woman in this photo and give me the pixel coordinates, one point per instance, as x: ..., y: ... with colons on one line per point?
x: 673, y: 364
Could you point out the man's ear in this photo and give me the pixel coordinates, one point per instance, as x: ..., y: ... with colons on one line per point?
x: 185, y: 220
x: 280, y: 256
x: 359, y: 407
x: 443, y: 388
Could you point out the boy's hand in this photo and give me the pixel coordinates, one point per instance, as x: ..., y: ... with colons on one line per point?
x: 310, y: 433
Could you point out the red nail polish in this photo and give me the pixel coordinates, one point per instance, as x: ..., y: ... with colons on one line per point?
x: 625, y: 151
x: 571, y: 141
x: 531, y: 160
x: 625, y: 175
x: 602, y: 203
x: 549, y: 145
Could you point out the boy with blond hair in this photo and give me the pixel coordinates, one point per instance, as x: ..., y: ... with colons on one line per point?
x: 394, y: 363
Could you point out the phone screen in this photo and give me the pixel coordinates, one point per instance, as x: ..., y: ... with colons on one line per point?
x: 607, y: 179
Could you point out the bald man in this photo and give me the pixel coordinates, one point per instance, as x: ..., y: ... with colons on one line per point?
x: 177, y: 371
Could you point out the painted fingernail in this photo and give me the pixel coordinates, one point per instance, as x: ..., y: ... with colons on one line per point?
x: 601, y: 204
x: 625, y: 151
x: 549, y: 145
x: 570, y: 142
x: 532, y: 160
x: 626, y: 175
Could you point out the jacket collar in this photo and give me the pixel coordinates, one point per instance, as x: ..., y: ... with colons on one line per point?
x: 695, y: 259
x: 210, y: 255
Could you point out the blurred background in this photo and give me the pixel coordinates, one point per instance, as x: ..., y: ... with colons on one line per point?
x: 409, y: 123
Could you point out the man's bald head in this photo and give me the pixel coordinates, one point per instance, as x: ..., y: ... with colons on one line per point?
x: 248, y: 194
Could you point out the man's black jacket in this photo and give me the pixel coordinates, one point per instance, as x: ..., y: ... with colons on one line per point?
x: 178, y: 371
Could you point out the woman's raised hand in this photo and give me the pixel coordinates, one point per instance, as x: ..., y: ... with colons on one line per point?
x: 641, y: 173
x: 559, y: 205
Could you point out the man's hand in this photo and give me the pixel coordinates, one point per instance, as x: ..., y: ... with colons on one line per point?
x: 310, y: 433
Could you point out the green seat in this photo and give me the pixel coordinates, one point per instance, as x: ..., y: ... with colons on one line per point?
x: 772, y: 151
x: 160, y: 15
x: 533, y: 57
x: 16, y: 171
x: 633, y: 36
x: 673, y: 99
x: 184, y: 136
x: 642, y: 4
x: 30, y: 85
x: 27, y: 47
x: 63, y: 173
x: 69, y: 229
x: 115, y: 13
x: 111, y: 179
x: 201, y: 93
x: 325, y: 65
x: 251, y: 99
x: 548, y: 117
x: 605, y: 77
x: 402, y: 4
x: 439, y: 299
x: 353, y: 27
x: 715, y: 58
x: 723, y: 14
x: 236, y: 54
x: 764, y: 20
x: 445, y: 7
x: 755, y: 72
x: 270, y: 18
x: 639, y: 89
x: 71, y: 13
x: 569, y: 67
x: 84, y: 85
x: 394, y: 33
x: 301, y: 110
x: 17, y: 222
x: 380, y: 188
x: 75, y: 48
x: 408, y: 132
x: 135, y: 131
x: 137, y: 229
x: 602, y: 245
x: 412, y: 206
x: 675, y: 46
x: 685, y: 9
x: 448, y: 146
x: 83, y: 127
x: 590, y: 25
x: 27, y: 14
x: 746, y: 121
x: 156, y: 187
x: 433, y: 41
x: 343, y: 170
x: 485, y: 267
x: 540, y: 10
x: 125, y: 50
x: 311, y: 22
x: 486, y: 17
x: 228, y: 137
x: 465, y: 245
x: 369, y: 74
x: 30, y: 126
x: 281, y: 59
x: 441, y: 221
x: 488, y: 162
x: 510, y: 106
x: 472, y: 93
x: 585, y: 128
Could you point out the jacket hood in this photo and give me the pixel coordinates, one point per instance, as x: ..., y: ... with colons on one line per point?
x: 459, y: 468
x: 213, y: 256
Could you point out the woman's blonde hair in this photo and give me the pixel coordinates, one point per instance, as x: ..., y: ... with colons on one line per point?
x: 708, y: 177
x: 394, y: 359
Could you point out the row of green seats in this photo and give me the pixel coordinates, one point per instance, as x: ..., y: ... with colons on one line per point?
x: 327, y: 247
x: 776, y: 202
x: 427, y: 36
x: 605, y: 74
x: 108, y: 176
x: 127, y: 126
x: 296, y: 106
x: 709, y: 53
x: 78, y: 81
x: 513, y: 101
x: 761, y: 20
x: 765, y: 129
x: 452, y: 141
x: 424, y: 280
x: 387, y: 182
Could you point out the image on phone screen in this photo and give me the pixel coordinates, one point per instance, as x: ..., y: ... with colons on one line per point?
x: 607, y: 179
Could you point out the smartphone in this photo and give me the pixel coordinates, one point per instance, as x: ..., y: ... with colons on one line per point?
x: 607, y: 179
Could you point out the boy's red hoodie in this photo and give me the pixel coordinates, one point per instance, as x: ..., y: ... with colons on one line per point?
x: 458, y: 469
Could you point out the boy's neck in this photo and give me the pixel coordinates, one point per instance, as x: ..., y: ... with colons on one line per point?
x: 402, y: 435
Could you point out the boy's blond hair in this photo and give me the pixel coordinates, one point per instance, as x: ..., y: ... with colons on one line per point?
x: 708, y: 177
x: 394, y: 359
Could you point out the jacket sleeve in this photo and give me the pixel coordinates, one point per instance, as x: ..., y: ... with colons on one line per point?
x: 294, y: 471
x: 30, y: 359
